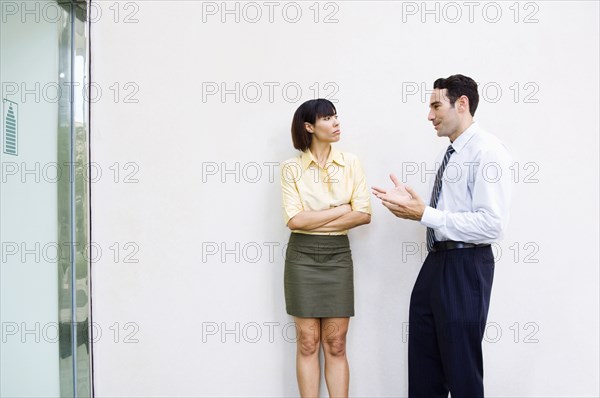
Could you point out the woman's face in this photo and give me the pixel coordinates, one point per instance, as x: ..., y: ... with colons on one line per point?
x: 325, y: 129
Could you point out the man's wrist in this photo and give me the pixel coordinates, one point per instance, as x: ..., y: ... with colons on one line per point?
x: 432, y: 218
x: 420, y: 211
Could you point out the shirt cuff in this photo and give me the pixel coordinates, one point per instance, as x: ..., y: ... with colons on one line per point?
x: 288, y: 214
x: 432, y: 218
x: 364, y: 207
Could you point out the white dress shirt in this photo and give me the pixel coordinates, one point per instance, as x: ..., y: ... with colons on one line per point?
x: 474, y: 201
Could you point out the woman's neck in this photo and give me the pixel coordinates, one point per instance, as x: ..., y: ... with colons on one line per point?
x: 320, y: 150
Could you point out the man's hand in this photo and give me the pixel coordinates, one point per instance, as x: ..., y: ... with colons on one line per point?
x: 401, y: 200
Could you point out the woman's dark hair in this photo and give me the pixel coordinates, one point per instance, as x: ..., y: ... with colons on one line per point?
x: 457, y: 86
x: 309, y: 112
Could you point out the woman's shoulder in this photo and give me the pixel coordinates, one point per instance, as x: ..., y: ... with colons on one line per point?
x: 349, y: 157
x: 293, y: 160
x: 292, y: 165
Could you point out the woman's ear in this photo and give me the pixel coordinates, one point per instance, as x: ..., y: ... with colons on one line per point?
x: 308, y: 127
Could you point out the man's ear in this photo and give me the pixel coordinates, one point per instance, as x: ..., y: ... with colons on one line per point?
x: 462, y: 103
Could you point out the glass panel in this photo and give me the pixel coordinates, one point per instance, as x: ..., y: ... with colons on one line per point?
x: 83, y: 252
x: 44, y: 200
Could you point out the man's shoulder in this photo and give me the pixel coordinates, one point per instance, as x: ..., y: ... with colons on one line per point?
x: 489, y: 147
x: 485, y: 140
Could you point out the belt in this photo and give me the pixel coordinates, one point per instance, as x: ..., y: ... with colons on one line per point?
x: 451, y: 245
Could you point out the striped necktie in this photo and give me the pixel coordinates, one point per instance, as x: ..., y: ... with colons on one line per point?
x: 435, y: 195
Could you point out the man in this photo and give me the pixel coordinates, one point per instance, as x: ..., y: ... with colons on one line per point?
x: 468, y: 210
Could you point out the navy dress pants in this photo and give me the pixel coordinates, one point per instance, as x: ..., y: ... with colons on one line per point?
x: 448, y: 312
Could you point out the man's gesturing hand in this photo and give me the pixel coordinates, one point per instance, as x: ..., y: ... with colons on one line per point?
x: 401, y: 200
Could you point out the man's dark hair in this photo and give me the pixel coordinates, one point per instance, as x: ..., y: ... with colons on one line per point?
x: 457, y: 86
x: 309, y: 112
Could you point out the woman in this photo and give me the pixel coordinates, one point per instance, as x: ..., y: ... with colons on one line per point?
x: 324, y: 195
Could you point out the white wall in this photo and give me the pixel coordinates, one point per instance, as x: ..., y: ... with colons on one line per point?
x: 177, y: 306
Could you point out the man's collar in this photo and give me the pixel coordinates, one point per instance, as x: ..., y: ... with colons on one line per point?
x: 464, y: 138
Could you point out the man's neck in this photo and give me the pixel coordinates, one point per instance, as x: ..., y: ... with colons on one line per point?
x: 462, y: 129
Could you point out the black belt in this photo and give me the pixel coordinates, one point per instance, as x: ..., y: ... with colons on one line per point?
x: 451, y: 245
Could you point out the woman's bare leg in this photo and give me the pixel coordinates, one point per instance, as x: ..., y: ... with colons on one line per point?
x: 308, y: 370
x: 337, y: 371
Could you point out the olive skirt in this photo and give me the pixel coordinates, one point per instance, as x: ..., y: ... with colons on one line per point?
x: 319, y: 276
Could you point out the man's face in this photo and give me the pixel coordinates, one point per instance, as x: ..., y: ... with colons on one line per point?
x: 444, y: 116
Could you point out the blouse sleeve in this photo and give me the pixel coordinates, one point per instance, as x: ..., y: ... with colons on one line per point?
x: 361, y: 199
x: 292, y: 204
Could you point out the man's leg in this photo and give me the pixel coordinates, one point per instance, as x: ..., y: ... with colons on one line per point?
x: 425, y: 374
x: 460, y: 312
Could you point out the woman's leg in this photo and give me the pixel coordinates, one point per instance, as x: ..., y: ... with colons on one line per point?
x: 308, y: 371
x: 337, y: 372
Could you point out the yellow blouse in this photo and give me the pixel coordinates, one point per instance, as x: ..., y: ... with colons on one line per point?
x: 307, y: 186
